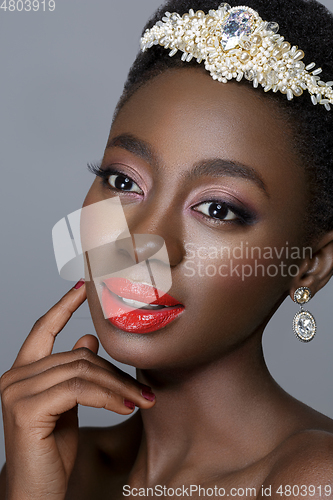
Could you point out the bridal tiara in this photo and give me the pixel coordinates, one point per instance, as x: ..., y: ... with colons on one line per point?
x: 236, y: 43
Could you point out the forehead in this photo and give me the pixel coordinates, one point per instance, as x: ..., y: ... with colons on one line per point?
x: 186, y: 112
x: 187, y: 119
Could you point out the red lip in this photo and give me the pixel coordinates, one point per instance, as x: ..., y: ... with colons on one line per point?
x: 139, y: 291
x: 138, y: 320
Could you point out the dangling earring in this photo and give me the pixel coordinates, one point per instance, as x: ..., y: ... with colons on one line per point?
x: 304, y: 324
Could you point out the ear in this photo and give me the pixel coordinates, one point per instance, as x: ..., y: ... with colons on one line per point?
x: 317, y: 268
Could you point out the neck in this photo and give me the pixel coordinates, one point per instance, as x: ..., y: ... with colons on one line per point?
x: 229, y: 411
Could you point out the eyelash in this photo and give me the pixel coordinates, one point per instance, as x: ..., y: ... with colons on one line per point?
x: 244, y: 217
x: 106, y: 173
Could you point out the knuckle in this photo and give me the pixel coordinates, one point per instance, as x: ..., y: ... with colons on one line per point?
x: 110, y: 399
x: 125, y: 385
x: 62, y: 306
x: 84, y: 353
x: 5, y: 380
x: 76, y: 385
x: 39, y: 323
x: 81, y: 365
x: 7, y: 397
x: 65, y: 305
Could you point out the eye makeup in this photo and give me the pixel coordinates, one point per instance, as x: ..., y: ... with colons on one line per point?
x: 218, y: 204
x: 125, y: 183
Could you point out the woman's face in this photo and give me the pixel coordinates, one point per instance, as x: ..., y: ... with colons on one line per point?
x: 213, y: 174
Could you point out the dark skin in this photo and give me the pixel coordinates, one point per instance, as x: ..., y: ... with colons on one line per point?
x: 219, y: 417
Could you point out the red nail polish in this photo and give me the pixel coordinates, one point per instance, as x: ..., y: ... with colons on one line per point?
x: 79, y: 284
x: 144, y: 386
x: 129, y: 404
x: 150, y: 396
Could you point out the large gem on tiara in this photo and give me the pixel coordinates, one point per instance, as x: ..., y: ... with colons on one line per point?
x: 238, y: 23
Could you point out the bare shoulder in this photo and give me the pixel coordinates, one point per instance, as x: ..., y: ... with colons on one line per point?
x: 304, y: 466
x: 105, y: 456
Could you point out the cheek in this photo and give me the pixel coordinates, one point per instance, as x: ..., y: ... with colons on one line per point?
x: 91, y: 195
x: 238, y: 285
x: 233, y: 283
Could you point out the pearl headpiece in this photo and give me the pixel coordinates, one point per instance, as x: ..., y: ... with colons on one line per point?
x: 236, y: 43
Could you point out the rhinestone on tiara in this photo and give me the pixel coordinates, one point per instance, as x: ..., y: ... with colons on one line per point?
x: 237, y: 43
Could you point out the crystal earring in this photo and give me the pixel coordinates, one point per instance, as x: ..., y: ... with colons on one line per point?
x: 304, y: 324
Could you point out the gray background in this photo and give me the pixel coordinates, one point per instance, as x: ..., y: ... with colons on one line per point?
x: 61, y: 75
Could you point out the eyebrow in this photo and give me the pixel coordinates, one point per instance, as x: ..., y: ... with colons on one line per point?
x: 215, y: 167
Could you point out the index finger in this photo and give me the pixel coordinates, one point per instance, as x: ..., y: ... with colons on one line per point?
x: 39, y: 343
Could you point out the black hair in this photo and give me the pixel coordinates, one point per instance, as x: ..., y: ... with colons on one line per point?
x: 307, y: 24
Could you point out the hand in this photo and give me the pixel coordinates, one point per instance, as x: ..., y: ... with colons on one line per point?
x: 40, y: 394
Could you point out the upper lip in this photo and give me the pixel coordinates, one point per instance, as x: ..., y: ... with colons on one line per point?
x: 139, y: 291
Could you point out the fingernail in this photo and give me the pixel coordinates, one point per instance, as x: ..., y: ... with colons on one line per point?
x: 150, y: 396
x: 79, y: 284
x: 129, y: 404
x: 146, y: 387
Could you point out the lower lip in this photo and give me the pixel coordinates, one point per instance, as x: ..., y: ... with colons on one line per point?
x: 137, y: 320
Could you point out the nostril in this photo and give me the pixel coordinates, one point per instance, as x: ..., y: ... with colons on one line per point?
x: 124, y: 246
x: 147, y: 245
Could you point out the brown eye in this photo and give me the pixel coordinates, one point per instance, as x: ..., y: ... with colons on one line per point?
x: 216, y: 210
x: 123, y: 183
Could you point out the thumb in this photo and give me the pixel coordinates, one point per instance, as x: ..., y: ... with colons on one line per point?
x: 89, y: 341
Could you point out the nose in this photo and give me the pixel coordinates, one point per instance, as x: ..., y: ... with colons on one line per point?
x: 154, y: 236
x: 139, y: 247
